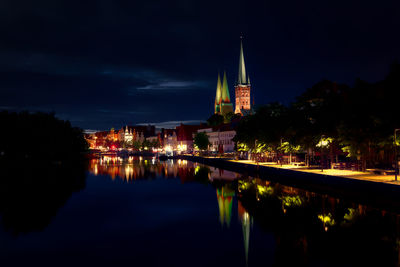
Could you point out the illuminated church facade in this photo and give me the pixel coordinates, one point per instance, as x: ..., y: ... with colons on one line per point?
x: 223, y: 103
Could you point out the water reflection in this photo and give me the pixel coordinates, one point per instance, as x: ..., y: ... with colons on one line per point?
x: 31, y: 193
x: 315, y: 227
x: 245, y: 220
x: 225, y: 212
x: 225, y: 196
x: 137, y: 168
x: 308, y: 227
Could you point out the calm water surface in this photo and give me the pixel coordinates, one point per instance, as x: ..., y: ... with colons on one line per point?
x: 141, y: 212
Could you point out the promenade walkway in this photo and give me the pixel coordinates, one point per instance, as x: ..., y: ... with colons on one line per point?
x: 348, y: 174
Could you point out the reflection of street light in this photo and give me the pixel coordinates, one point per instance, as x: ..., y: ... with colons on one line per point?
x: 396, y: 162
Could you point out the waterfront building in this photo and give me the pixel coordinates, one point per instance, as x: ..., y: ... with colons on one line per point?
x: 112, y: 139
x: 100, y: 139
x: 91, y: 140
x: 155, y: 142
x: 136, y: 133
x: 128, y: 134
x: 112, y: 135
x: 165, y: 134
x: 242, y: 88
x: 185, y: 135
x: 152, y: 138
x: 221, y: 138
x: 170, y: 141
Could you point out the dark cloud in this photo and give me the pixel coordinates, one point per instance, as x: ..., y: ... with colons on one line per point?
x: 108, y: 63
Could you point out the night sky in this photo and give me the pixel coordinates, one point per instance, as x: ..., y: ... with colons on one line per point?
x: 104, y: 64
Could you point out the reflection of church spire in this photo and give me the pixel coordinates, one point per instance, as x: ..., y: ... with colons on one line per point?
x: 245, y: 220
x: 225, y: 196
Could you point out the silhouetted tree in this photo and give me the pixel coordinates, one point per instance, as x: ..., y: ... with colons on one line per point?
x: 39, y: 136
x: 215, y: 120
x: 201, y: 141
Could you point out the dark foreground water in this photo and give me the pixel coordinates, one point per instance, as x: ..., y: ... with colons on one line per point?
x: 140, y: 212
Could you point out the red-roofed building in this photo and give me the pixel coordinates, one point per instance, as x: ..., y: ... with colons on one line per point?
x: 185, y: 135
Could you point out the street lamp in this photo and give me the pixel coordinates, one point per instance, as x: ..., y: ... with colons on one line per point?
x: 396, y: 162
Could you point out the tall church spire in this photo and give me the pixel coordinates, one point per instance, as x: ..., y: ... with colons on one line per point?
x: 242, y: 68
x: 242, y: 88
x: 225, y: 91
x: 218, y: 95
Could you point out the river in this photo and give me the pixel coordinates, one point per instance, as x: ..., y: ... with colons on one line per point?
x: 143, y: 212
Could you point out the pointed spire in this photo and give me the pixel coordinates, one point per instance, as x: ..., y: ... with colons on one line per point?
x: 242, y: 67
x: 248, y: 79
x: 225, y: 91
x: 218, y: 94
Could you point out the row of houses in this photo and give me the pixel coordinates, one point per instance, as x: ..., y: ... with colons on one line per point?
x: 178, y: 140
x: 114, y: 139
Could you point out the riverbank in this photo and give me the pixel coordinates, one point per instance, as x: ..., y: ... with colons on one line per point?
x: 367, y: 188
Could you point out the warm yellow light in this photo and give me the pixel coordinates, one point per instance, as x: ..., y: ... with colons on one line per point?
x: 291, y: 201
x: 324, y: 142
x: 264, y: 190
x: 327, y: 220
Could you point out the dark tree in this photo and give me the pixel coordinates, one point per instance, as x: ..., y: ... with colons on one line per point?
x: 201, y: 141
x: 215, y: 120
x: 39, y: 136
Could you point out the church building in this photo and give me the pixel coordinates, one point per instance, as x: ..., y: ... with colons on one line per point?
x: 223, y: 103
x: 242, y: 88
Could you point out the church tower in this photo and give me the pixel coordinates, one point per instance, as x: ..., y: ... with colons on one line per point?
x: 223, y: 103
x: 242, y: 88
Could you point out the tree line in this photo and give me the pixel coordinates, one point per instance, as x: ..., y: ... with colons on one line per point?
x: 40, y: 136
